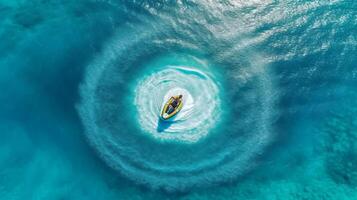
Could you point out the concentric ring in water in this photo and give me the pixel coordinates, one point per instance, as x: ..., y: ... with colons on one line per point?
x: 221, y: 131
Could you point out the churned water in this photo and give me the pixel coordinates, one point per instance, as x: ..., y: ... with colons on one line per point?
x: 269, y: 91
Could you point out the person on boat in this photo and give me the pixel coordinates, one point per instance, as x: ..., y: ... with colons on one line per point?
x: 174, y: 103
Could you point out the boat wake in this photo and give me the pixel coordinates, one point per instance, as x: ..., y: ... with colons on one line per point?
x: 223, y: 127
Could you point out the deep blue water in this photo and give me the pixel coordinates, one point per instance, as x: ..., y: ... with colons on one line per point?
x: 269, y: 99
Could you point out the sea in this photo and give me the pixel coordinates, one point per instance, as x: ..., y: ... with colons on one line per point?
x: 269, y: 99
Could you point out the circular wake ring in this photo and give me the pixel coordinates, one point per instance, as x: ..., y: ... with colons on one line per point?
x: 121, y: 100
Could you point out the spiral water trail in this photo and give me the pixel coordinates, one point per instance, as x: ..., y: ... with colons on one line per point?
x: 223, y: 127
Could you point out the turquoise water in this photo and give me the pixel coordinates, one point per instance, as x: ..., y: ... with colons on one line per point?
x: 269, y: 100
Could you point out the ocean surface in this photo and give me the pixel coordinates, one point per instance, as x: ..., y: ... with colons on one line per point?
x: 269, y: 89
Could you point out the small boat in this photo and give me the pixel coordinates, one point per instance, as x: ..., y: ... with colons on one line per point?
x: 169, y: 111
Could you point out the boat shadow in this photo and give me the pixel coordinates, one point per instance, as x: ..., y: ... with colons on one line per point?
x: 162, y: 125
